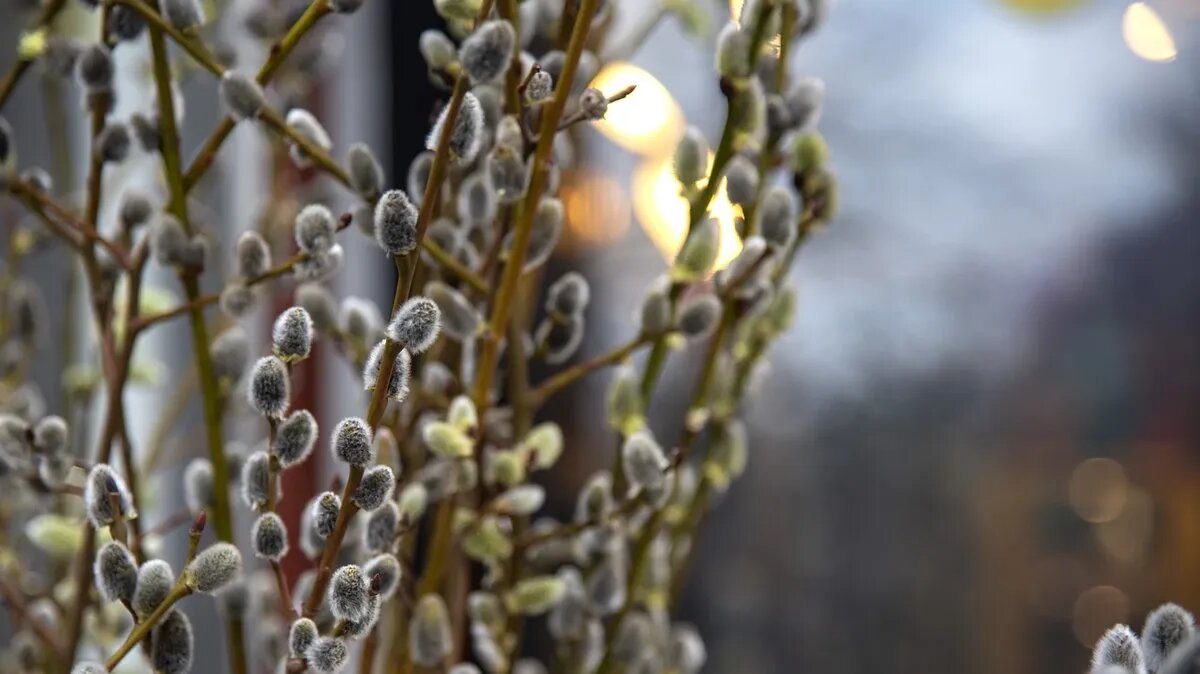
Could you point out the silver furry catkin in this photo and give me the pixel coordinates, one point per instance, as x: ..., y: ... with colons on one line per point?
x: 198, y: 485
x: 230, y: 353
x: 686, y: 653
x: 1166, y: 627
x: 183, y: 14
x: 418, y: 176
x: 733, y: 52
x: 145, y: 129
x: 327, y: 655
x: 295, y: 437
x: 113, y: 143
x: 325, y: 507
x: 305, y: 124
x: 476, y: 200
x: 1119, y: 646
x: 486, y: 53
x: 116, y: 572
x: 315, y: 229
x: 136, y: 209
x: 320, y: 305
x: 593, y: 104
x: 366, y: 174
x: 255, y: 479
x: 352, y: 442
x: 458, y: 316
x: 381, y: 529
x: 241, y: 95
x: 252, y: 254
x: 396, y: 223
x: 171, y: 644
x: 804, y: 101
x: 349, y: 593
x: 89, y: 668
x: 777, y: 216
x: 292, y: 335
x: 437, y: 49
x: 560, y: 338
x: 698, y: 315
x: 236, y: 300
x: 742, y: 180
x: 691, y: 157
x: 94, y: 68
x: 269, y: 390
x: 50, y: 434
x: 429, y: 636
x: 540, y: 87
x: 214, y: 568
x: 416, y: 324
x: 401, y: 371
x: 102, y: 482
x: 301, y: 636
x: 154, y: 581
x: 270, y: 537
x: 384, y: 571
x: 568, y: 295
x: 466, y: 137
x: 375, y: 488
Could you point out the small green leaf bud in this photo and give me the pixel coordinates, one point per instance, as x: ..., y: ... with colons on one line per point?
x: 429, y: 638
x: 447, y: 440
x: 534, y: 596
x: 437, y: 49
x: 699, y: 252
x: 625, y: 405
x: 644, y: 461
x: 691, y: 157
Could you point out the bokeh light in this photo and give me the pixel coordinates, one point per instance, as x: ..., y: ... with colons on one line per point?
x: 1126, y: 538
x: 597, y: 210
x: 649, y: 122
x: 662, y: 210
x: 1098, y: 490
x: 1146, y: 35
x: 1096, y: 610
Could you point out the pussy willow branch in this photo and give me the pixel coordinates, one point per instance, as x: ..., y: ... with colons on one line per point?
x: 209, y: 387
x: 178, y: 591
x: 49, y: 11
x: 698, y: 210
x: 391, y: 349
x: 568, y: 376
x: 48, y: 204
x: 279, y: 51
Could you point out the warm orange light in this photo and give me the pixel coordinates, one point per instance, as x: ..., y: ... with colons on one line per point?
x: 597, y: 210
x: 1146, y: 35
x: 662, y: 210
x: 648, y: 122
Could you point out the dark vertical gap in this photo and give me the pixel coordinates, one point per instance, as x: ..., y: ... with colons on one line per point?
x: 413, y: 97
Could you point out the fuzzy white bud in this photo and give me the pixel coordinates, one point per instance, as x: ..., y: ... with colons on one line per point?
x: 270, y: 538
x: 396, y: 223
x: 691, y: 157
x: 305, y: 124
x: 198, y: 485
x: 325, y: 507
x: 644, y: 461
x: 1119, y: 646
x: 466, y: 136
x: 183, y: 14
x: 382, y: 526
x: 429, y: 636
x: 416, y: 324
x: 374, y: 488
x: 301, y: 636
x: 1166, y: 628
x: 352, y: 442
x: 116, y: 572
x: 698, y: 314
x: 349, y: 596
x: 327, y: 655
x: 486, y: 53
x: 777, y: 216
x: 437, y: 49
x: 315, y: 228
x: 241, y: 95
x: 214, y: 568
x: 102, y: 484
x: 155, y: 580
x: 320, y: 305
x: 366, y: 174
x: 269, y: 390
x: 292, y: 335
x: 295, y: 437
x: 172, y: 644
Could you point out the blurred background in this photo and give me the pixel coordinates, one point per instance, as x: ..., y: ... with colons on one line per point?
x: 977, y: 448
